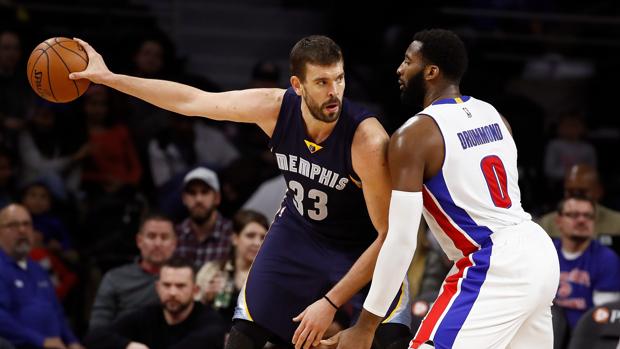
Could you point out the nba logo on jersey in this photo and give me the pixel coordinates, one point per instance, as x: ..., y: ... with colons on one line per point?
x: 467, y: 112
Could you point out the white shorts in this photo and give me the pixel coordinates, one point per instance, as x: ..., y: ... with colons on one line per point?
x: 498, y: 297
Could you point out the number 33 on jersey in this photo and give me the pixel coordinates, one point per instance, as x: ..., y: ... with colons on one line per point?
x: 324, y: 193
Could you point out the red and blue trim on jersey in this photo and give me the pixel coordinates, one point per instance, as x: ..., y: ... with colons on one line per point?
x: 461, y: 289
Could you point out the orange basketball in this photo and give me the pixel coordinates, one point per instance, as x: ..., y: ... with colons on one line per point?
x: 49, y: 66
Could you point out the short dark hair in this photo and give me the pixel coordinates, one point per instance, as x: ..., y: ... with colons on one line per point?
x: 154, y: 216
x: 245, y: 217
x: 180, y: 263
x: 444, y: 49
x: 314, y: 49
x: 578, y: 197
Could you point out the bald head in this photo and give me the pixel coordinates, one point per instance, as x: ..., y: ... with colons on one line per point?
x: 583, y: 180
x: 15, y: 231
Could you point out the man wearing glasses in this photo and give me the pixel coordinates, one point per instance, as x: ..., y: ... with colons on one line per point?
x: 30, y: 315
x: 589, y: 271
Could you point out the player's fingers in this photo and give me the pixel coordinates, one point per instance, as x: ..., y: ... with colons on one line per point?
x: 82, y: 42
x: 302, y: 338
x: 298, y: 331
x: 317, y: 339
x: 328, y: 343
x: 310, y: 340
x: 89, y: 49
x: 300, y: 316
x: 75, y: 76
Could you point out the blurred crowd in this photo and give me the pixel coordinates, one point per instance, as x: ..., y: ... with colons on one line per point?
x: 128, y: 225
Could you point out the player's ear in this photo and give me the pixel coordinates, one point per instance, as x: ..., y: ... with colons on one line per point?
x: 296, y: 83
x: 431, y: 72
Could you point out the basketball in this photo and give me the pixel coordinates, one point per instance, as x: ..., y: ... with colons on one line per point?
x: 49, y: 66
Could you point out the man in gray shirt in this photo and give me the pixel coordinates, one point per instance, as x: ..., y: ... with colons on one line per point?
x: 132, y: 286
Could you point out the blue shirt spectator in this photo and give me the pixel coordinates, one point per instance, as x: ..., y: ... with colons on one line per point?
x: 589, y: 271
x: 30, y: 315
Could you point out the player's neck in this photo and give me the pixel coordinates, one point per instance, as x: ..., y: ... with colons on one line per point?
x: 443, y: 92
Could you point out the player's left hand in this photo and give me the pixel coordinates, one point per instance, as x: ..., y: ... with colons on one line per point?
x: 313, y: 322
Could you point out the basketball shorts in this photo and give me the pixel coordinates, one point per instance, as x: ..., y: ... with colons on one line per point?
x: 497, y: 297
x: 293, y: 269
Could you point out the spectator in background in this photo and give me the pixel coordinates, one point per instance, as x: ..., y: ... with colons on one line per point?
x: 15, y: 94
x: 568, y: 148
x: 583, y: 180
x: 151, y: 59
x: 113, y: 164
x: 30, y: 315
x: 205, y: 235
x: 7, y: 187
x: 589, y: 272
x: 265, y: 74
x: 42, y: 154
x: 177, y: 322
x: 220, y: 282
x: 251, y: 142
x: 52, y: 246
x: 38, y: 198
x: 184, y: 144
x: 131, y: 286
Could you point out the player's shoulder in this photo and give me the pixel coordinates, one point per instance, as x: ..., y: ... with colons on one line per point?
x: 416, y: 128
x: 370, y: 132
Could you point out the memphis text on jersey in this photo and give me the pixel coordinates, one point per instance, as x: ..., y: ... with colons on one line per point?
x: 481, y: 135
x: 315, y: 172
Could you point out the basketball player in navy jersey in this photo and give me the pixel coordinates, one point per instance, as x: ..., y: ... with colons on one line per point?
x: 456, y: 163
x: 322, y: 246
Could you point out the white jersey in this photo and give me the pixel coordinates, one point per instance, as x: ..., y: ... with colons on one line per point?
x: 476, y: 193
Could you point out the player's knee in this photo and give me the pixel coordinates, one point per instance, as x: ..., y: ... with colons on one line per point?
x: 238, y: 340
x: 246, y: 335
x: 392, y: 336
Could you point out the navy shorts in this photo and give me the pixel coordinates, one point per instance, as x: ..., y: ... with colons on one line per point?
x: 293, y: 269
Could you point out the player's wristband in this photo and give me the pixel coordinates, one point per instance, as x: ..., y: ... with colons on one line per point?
x: 330, y: 302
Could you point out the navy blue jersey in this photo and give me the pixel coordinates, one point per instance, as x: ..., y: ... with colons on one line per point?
x: 323, y: 190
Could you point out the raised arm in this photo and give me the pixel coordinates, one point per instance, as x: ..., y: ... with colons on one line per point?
x: 369, y: 157
x: 259, y: 106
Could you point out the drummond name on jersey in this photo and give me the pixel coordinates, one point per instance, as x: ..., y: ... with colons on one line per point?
x: 481, y: 135
x: 315, y: 172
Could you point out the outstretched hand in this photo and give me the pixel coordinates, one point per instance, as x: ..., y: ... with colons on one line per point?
x: 313, y: 322
x: 96, y: 69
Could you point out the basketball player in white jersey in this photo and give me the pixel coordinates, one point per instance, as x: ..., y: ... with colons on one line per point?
x: 457, y: 162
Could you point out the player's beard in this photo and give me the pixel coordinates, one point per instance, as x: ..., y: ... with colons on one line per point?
x: 413, y: 93
x: 317, y: 110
